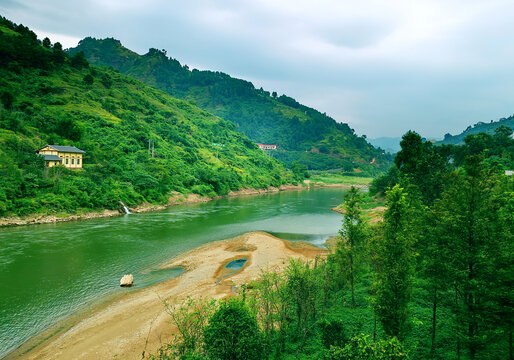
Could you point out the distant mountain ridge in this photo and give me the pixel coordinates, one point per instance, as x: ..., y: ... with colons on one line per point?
x: 308, y: 135
x: 480, y: 127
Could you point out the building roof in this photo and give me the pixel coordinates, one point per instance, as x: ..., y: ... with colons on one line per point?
x: 61, y: 148
x: 51, y: 157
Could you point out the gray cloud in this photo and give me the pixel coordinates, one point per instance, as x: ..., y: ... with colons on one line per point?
x: 434, y: 66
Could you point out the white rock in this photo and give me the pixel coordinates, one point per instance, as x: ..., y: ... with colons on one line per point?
x: 127, y: 280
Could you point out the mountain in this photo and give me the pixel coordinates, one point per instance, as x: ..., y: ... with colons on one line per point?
x: 49, y: 97
x: 301, y: 133
x: 480, y: 127
x: 389, y: 144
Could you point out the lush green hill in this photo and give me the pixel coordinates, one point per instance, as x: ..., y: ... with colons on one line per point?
x: 48, y: 97
x: 302, y: 133
x: 479, y: 127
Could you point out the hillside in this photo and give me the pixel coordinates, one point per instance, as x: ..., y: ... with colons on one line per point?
x: 301, y: 133
x: 480, y: 127
x: 48, y: 97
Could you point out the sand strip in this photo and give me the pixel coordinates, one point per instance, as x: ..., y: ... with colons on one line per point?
x: 137, y: 321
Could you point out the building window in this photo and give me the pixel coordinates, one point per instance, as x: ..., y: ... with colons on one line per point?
x: 78, y: 161
x: 66, y: 161
x: 72, y: 161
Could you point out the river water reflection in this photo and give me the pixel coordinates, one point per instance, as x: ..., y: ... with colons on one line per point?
x: 50, y: 271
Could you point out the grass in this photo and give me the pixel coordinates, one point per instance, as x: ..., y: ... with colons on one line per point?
x: 335, y: 178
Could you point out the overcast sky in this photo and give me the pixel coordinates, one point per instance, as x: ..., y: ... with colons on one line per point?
x: 384, y: 67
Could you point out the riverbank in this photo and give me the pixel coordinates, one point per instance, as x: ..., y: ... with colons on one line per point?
x: 137, y: 321
x: 175, y: 199
x: 373, y: 214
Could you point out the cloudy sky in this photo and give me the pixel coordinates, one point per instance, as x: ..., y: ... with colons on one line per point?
x: 384, y: 67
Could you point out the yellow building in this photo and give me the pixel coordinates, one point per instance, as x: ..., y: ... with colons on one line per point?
x: 69, y: 156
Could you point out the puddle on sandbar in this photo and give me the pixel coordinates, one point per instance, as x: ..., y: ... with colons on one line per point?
x: 236, y: 264
x: 231, y: 268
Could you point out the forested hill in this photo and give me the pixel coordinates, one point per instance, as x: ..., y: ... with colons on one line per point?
x: 308, y: 135
x: 480, y: 127
x: 48, y: 97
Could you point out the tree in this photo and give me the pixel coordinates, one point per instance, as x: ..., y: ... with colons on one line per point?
x: 472, y: 221
x: 58, y: 55
x: 47, y: 43
x: 106, y: 80
x: 79, y: 61
x: 394, y: 265
x: 7, y: 99
x: 233, y: 333
x: 299, y: 170
x: 88, y: 79
x: 352, y: 233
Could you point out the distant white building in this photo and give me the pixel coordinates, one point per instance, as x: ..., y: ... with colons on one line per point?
x: 267, y: 147
x: 509, y: 172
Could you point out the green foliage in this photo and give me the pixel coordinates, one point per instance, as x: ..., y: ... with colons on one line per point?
x: 383, y: 183
x: 393, y: 263
x: 332, y: 332
x: 233, y: 333
x: 476, y: 237
x: 299, y: 171
x: 78, y: 60
x: 191, y: 318
x: 88, y: 79
x: 353, y: 235
x: 303, y: 134
x: 362, y: 348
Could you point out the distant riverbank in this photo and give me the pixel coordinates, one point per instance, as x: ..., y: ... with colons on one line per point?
x: 138, y: 322
x: 174, y: 199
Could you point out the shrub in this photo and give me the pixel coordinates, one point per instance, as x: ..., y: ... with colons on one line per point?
x: 233, y: 333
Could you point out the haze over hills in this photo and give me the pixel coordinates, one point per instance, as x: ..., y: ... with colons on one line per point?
x: 389, y: 144
x: 304, y: 134
x: 480, y: 127
x: 48, y: 97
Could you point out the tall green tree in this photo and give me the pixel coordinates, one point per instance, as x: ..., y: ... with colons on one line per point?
x: 475, y: 228
x: 353, y: 235
x: 393, y: 259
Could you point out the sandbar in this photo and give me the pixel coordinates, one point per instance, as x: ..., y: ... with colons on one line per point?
x: 137, y: 322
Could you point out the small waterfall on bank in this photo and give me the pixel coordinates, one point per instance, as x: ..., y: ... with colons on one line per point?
x: 127, y: 211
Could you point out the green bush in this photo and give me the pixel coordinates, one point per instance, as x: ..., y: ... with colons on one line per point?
x: 362, y: 348
x: 233, y: 333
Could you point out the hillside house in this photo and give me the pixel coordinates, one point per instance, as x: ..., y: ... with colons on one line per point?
x: 69, y: 156
x: 267, y: 147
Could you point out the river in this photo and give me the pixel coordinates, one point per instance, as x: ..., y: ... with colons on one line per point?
x: 48, y: 272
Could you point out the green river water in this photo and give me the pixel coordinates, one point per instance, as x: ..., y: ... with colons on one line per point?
x: 48, y: 272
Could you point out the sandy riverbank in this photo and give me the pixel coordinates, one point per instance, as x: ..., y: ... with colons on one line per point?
x: 174, y: 199
x: 137, y: 321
